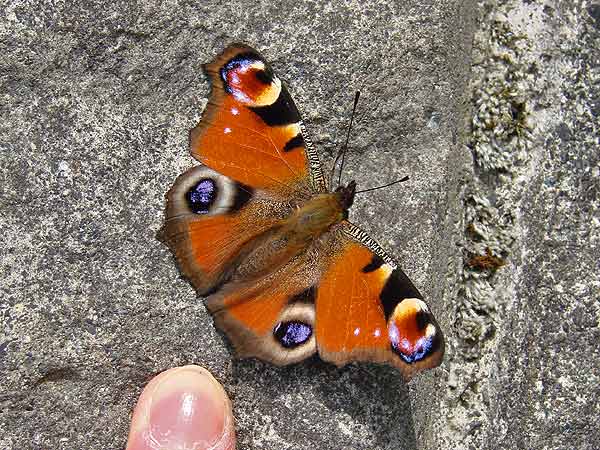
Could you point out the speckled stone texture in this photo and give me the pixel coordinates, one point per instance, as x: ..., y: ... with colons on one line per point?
x: 525, y: 369
x: 96, y: 102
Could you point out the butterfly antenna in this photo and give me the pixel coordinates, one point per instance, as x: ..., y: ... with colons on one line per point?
x: 342, y: 152
x: 401, y: 180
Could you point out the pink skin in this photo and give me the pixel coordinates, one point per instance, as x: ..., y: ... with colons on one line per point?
x: 183, y: 408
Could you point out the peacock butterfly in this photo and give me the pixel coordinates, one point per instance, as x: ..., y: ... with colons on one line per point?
x: 257, y: 231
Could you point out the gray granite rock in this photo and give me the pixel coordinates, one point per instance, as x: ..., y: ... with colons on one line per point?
x: 96, y: 102
x: 525, y: 369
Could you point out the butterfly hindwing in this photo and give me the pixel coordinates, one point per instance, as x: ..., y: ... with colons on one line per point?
x: 251, y: 130
x: 210, y: 219
x: 368, y: 310
x: 274, y: 318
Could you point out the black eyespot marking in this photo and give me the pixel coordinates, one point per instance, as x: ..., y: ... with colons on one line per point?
x: 295, y: 142
x: 376, y: 263
x: 396, y: 288
x: 424, y: 347
x: 307, y: 296
x: 265, y: 76
x: 282, y: 112
x: 422, y: 319
x: 201, y: 196
x: 292, y: 334
x: 243, y: 194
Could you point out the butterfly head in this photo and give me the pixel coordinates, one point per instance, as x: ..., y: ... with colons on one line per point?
x: 345, y: 195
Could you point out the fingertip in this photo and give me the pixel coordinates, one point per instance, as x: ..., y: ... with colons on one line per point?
x: 183, y: 407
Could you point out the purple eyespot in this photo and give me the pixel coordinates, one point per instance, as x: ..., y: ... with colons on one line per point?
x: 292, y: 334
x: 412, y: 352
x: 201, y: 196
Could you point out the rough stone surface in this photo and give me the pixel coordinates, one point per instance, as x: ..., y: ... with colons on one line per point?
x: 96, y: 101
x: 525, y: 370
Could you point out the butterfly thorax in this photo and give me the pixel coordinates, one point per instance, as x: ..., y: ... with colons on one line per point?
x: 318, y: 215
x: 294, y: 234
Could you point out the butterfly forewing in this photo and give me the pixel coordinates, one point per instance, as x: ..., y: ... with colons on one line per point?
x: 251, y: 130
x: 368, y: 310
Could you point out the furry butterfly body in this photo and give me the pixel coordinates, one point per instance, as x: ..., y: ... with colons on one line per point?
x: 256, y: 230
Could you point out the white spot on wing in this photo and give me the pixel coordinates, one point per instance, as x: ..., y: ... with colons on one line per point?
x: 422, y: 305
x: 430, y: 330
x: 386, y: 269
x: 257, y: 65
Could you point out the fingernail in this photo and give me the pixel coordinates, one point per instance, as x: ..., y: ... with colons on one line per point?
x: 184, y: 407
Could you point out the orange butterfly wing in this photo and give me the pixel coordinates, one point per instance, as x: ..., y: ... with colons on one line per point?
x: 272, y: 319
x: 251, y: 136
x: 368, y: 310
x: 209, y: 220
x: 251, y: 130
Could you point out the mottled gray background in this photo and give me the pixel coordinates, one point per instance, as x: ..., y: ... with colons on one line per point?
x: 492, y: 109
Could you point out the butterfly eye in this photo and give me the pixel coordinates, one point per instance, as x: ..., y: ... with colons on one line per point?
x: 411, y: 331
x: 201, y: 196
x: 292, y: 334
